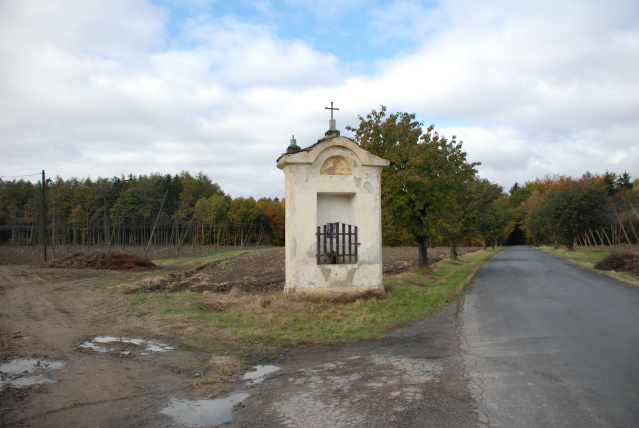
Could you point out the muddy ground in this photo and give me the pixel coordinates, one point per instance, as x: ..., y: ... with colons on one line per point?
x: 133, y: 371
x: 264, y: 270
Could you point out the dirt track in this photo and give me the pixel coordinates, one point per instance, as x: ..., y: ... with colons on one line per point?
x: 43, y: 318
x: 49, y: 315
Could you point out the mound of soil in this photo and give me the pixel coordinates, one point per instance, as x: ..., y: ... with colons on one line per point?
x: 264, y: 270
x: 620, y: 262
x: 101, y: 260
x: 255, y: 270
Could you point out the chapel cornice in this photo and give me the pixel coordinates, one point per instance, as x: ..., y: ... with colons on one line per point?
x: 309, y: 154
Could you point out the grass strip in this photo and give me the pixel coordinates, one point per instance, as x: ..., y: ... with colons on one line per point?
x: 267, y: 320
x: 587, y: 258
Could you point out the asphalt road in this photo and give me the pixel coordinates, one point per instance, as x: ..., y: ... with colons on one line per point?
x: 549, y: 344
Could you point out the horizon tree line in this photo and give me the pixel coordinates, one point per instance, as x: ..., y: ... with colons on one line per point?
x: 431, y: 195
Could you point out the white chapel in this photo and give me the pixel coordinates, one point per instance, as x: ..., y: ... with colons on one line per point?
x: 333, y: 216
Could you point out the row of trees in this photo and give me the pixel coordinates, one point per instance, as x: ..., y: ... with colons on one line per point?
x: 75, y: 206
x: 430, y: 192
x: 565, y: 210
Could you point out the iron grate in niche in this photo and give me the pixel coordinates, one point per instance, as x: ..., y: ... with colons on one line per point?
x: 336, y: 244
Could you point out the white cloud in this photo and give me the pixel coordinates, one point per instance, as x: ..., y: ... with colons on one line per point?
x: 101, y: 88
x: 242, y: 54
x: 537, y: 87
x: 119, y: 27
x: 510, y: 155
x: 103, y: 113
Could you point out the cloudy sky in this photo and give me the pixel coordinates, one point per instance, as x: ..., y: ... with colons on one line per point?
x: 110, y: 87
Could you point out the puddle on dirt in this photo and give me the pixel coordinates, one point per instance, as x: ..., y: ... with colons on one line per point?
x: 203, y: 413
x: 149, y: 345
x: 15, y: 372
x: 259, y: 374
x: 26, y: 381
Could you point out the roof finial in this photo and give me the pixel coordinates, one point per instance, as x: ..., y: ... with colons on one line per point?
x: 293, y: 147
x: 332, y: 129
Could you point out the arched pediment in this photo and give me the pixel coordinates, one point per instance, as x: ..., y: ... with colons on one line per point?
x: 310, y: 154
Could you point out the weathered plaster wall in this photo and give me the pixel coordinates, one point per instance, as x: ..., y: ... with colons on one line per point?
x: 303, y: 184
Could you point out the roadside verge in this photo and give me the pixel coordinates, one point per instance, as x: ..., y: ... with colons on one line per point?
x: 587, y: 258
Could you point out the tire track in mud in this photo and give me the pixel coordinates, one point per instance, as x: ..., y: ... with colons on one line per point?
x: 75, y: 406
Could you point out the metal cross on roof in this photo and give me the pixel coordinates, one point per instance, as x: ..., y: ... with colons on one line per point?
x: 331, y: 109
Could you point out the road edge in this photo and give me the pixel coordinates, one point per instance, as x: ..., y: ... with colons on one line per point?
x: 471, y: 277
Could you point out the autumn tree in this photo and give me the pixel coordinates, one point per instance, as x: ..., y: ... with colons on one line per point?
x: 214, y: 208
x: 263, y: 203
x: 537, y: 222
x: 276, y: 221
x: 519, y: 194
x: 459, y: 217
x: 573, y: 209
x: 490, y: 210
x: 495, y: 220
x: 426, y: 170
x: 243, y: 210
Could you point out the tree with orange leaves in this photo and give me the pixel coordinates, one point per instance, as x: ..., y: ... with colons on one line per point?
x: 276, y: 221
